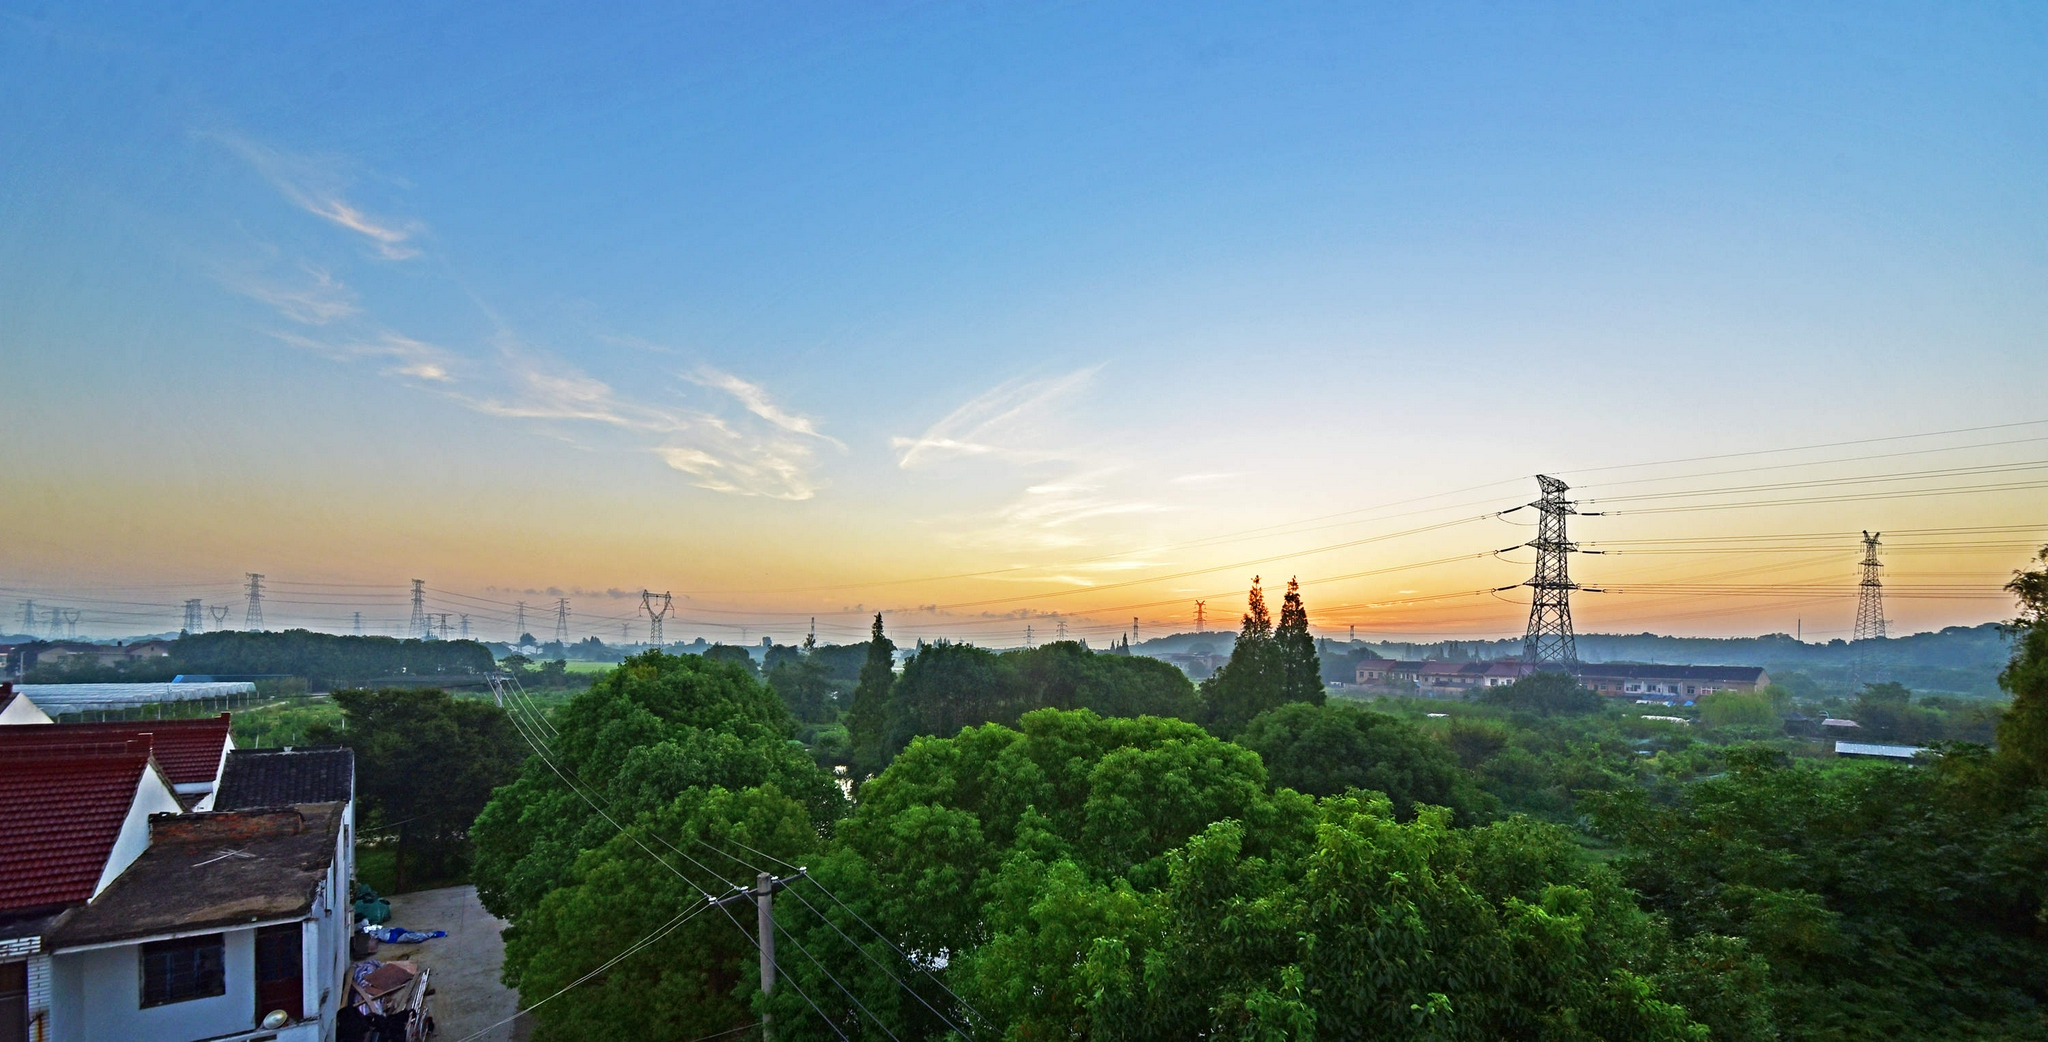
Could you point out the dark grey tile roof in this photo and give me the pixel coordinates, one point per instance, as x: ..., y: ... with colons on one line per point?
x: 285, y: 777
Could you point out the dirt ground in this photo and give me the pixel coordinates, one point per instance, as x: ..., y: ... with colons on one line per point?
x: 467, y: 995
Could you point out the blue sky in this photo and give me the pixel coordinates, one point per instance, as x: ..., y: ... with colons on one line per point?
x: 744, y: 297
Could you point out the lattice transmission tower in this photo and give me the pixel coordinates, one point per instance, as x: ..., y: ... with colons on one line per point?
x: 1869, y: 594
x: 252, y: 619
x: 1869, y: 612
x: 562, y: 621
x: 657, y: 609
x: 193, y: 612
x: 219, y: 613
x: 1549, y: 639
x: 419, y: 628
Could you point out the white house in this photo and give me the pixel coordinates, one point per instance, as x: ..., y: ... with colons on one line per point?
x: 71, y: 822
x: 228, y: 922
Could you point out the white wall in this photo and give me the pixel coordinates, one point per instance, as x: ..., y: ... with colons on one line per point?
x: 152, y: 796
x: 97, y: 997
x: 22, y: 711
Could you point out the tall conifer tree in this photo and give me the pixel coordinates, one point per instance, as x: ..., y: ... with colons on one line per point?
x: 1301, y: 672
x: 868, y: 718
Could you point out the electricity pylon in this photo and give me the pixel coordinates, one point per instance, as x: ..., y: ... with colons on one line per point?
x: 252, y: 620
x: 1549, y: 638
x: 648, y: 602
x: 1869, y: 611
x: 419, y: 628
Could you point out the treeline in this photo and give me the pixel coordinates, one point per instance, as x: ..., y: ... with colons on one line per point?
x: 1324, y: 871
x: 945, y: 687
x: 324, y: 658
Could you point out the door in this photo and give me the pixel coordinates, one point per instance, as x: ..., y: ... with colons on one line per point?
x: 13, y: 1002
x: 280, y: 971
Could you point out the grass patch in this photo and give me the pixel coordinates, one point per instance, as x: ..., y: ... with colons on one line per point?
x: 377, y: 868
x: 283, y: 723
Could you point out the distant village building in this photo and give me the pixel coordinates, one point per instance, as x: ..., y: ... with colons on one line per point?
x: 68, y: 653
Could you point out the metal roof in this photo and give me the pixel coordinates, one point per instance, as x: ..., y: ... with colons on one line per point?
x: 58, y: 699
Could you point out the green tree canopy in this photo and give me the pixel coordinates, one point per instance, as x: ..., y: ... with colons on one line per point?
x: 1327, y: 750
x: 426, y: 763
x: 734, y: 654
x: 1738, y: 709
x: 1546, y: 691
x: 1891, y: 902
x: 1342, y: 923
x: 2023, y: 734
x: 657, y: 726
x: 945, y: 687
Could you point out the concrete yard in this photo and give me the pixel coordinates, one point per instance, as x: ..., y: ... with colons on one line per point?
x: 467, y: 995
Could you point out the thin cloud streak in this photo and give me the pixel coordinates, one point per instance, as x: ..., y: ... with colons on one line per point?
x: 997, y: 423
x: 315, y: 187
x: 755, y: 400
x: 325, y: 300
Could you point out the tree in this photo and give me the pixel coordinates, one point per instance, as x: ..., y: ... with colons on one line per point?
x: 700, y: 978
x: 1301, y: 668
x: 1342, y: 923
x: 1327, y: 750
x: 656, y: 726
x: 734, y: 654
x: 806, y: 687
x: 1254, y: 680
x: 1547, y: 691
x: 2023, y: 733
x: 869, y: 714
x: 1890, y: 901
x: 1738, y: 709
x: 426, y: 764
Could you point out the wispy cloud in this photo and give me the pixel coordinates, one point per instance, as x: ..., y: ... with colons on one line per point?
x: 755, y: 400
x: 720, y: 453
x: 740, y: 442
x: 403, y: 355
x: 1048, y: 517
x: 316, y: 300
x: 316, y: 187
x: 1006, y: 422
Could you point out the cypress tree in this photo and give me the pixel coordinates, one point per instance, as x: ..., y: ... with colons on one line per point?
x: 868, y: 718
x: 1301, y: 669
x: 1250, y: 682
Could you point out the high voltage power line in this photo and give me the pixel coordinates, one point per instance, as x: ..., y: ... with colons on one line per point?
x: 488, y: 608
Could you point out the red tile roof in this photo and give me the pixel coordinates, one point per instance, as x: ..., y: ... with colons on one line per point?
x: 59, y: 817
x: 189, y: 751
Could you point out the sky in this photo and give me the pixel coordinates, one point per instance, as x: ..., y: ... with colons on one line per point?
x: 989, y: 316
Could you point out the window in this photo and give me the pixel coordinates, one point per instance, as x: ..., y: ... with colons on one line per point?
x: 181, y: 970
